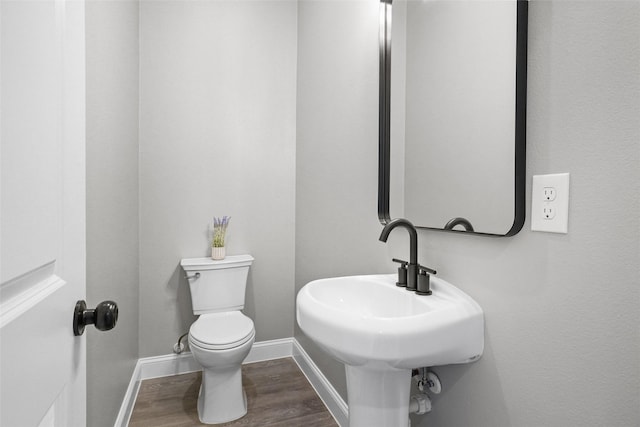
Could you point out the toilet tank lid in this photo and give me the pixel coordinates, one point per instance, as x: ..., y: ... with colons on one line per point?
x: 190, y: 264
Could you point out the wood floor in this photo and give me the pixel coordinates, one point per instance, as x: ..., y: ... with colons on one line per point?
x: 278, y: 394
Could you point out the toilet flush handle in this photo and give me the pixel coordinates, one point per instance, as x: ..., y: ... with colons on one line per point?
x: 103, y: 317
x: 195, y: 276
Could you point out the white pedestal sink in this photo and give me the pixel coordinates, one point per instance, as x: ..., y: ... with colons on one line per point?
x: 381, y: 332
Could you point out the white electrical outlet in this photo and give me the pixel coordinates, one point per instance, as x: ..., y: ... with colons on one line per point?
x: 549, y: 194
x: 548, y: 211
x: 550, y: 203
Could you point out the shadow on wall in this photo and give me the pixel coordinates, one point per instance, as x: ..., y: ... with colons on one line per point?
x: 249, y: 298
x: 481, y: 409
x: 179, y: 286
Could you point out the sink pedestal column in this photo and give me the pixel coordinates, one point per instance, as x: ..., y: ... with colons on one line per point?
x: 378, y: 397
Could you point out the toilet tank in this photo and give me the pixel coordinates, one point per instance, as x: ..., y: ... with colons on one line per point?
x: 217, y: 285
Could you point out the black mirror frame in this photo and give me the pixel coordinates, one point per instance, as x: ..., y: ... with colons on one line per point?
x: 384, y: 119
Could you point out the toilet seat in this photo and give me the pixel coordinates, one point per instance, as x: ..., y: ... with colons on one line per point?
x: 221, y: 331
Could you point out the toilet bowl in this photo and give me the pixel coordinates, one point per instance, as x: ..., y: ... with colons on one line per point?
x: 221, y: 338
x: 219, y: 343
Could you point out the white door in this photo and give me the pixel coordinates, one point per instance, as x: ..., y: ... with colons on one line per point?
x: 42, y: 215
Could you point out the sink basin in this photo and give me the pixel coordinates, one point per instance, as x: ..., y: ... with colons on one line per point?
x: 368, y: 320
x: 381, y: 332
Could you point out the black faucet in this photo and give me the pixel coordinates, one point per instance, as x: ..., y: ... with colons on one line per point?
x: 417, y: 278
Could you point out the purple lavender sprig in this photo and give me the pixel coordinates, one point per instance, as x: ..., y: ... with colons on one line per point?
x: 219, y: 231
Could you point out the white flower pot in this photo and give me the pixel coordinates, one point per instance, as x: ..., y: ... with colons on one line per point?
x: 218, y: 253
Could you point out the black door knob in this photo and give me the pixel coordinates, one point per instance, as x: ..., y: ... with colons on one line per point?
x: 103, y: 317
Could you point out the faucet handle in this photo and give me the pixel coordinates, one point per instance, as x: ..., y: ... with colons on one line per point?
x: 402, y: 273
x: 424, y: 269
x: 424, y: 287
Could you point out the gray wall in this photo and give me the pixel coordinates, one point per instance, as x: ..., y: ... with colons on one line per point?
x: 562, y: 312
x: 217, y: 137
x: 336, y: 150
x: 112, y: 200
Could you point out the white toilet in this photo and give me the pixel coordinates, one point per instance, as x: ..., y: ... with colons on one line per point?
x: 222, y: 336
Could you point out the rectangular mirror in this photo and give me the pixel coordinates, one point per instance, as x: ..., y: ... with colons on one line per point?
x: 452, y: 114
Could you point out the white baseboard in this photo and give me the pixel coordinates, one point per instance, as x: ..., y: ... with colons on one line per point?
x: 122, y: 420
x: 176, y: 364
x: 332, y: 400
x: 269, y: 350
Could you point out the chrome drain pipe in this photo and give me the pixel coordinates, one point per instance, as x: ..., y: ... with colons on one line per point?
x: 419, y: 404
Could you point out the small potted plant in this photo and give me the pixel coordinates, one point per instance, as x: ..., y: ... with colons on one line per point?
x: 217, y: 242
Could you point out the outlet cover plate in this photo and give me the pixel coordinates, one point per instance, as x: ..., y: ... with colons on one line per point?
x: 559, y: 222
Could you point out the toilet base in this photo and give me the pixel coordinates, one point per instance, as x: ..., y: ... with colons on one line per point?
x: 221, y: 397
